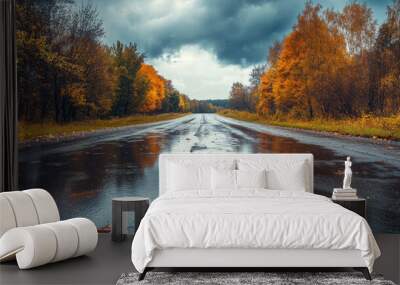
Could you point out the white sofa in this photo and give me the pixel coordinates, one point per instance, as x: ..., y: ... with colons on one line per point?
x: 31, y: 231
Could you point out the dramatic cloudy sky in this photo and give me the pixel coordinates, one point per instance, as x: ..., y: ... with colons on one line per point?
x: 204, y: 46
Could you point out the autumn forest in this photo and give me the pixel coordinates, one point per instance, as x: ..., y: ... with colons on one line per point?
x: 66, y: 73
x: 333, y: 64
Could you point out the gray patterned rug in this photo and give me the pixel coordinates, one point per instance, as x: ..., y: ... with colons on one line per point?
x: 229, y: 278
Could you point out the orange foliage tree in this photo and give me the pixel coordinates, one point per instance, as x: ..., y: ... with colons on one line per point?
x: 301, y: 82
x: 334, y: 64
x: 66, y: 72
x: 156, y: 89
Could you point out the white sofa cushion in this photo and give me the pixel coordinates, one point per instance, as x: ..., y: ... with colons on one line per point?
x: 7, y: 220
x: 23, y: 208
x: 45, y: 205
x: 87, y: 233
x: 67, y: 240
x: 27, y: 208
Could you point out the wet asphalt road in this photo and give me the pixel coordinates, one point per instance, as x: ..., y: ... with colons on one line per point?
x: 85, y: 173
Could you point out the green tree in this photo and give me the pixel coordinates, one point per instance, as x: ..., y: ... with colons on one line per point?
x: 141, y: 87
x: 128, y: 61
x: 42, y: 32
x: 171, y: 102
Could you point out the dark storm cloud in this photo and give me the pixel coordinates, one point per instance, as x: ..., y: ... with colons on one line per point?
x: 237, y: 31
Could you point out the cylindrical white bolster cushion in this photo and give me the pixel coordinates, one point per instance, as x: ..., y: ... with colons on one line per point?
x: 23, y: 208
x: 7, y: 218
x: 41, y: 244
x: 34, y: 245
x: 87, y: 235
x: 67, y: 240
x: 45, y: 205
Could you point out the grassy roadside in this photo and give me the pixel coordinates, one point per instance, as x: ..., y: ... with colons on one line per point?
x: 371, y: 127
x: 53, y: 131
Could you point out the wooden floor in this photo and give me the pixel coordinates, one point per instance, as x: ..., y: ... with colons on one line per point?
x: 111, y: 259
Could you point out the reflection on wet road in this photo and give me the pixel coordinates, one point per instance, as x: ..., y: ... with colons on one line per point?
x: 83, y: 175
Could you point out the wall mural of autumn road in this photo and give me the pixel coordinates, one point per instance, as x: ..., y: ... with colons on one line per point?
x: 106, y: 86
x: 84, y: 174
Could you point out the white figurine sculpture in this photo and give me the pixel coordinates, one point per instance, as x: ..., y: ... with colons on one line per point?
x: 347, y: 174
